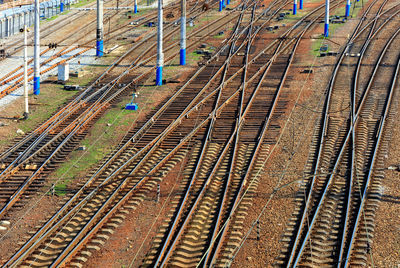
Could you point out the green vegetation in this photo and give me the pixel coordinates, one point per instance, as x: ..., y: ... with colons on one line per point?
x: 52, y: 18
x: 82, y: 3
x: 193, y: 57
x: 103, y: 135
x: 41, y: 108
x: 47, y: 103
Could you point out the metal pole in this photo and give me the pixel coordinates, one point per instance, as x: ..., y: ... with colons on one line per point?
x: 183, y: 33
x: 36, y: 62
x: 61, y: 6
x: 26, y: 72
x: 221, y: 5
x: 294, y: 7
x: 347, y: 8
x: 160, y: 55
x: 301, y: 4
x: 99, y: 33
x: 326, y: 29
x: 135, y: 7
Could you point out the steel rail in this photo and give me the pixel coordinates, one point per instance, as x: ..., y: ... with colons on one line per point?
x: 24, y: 186
x: 222, y: 234
x: 115, y: 63
x: 234, y: 151
x: 374, y: 156
x: 181, y: 144
x: 340, y: 155
x: 21, y: 189
x: 103, y: 87
x: 164, y: 254
x: 353, y: 151
x: 52, y: 220
x: 322, y: 136
x: 52, y: 29
x: 253, y: 156
x: 16, y: 85
x: 186, y: 220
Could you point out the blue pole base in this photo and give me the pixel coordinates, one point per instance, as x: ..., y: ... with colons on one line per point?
x: 301, y: 4
x: 182, y: 58
x: 220, y: 6
x: 326, y: 30
x: 61, y: 7
x: 294, y: 9
x: 159, y: 76
x: 223, y: 4
x: 347, y: 10
x: 36, y: 85
x: 228, y: 2
x: 99, y: 48
x: 135, y: 9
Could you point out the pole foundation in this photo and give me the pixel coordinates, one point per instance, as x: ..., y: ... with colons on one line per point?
x: 294, y: 9
x: 220, y: 6
x: 159, y: 75
x: 301, y: 4
x: 182, y: 58
x: 326, y: 30
x: 99, y: 48
x: 61, y: 7
x: 347, y: 10
x: 36, y: 85
x: 135, y: 9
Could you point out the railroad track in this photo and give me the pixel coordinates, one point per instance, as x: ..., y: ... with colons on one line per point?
x: 219, y: 133
x: 14, y: 79
x: 130, y: 167
x: 334, y: 222
x: 58, y: 25
x: 40, y: 151
x: 205, y: 230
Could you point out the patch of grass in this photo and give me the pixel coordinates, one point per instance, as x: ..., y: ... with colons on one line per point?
x: 48, y: 101
x: 193, y: 57
x: 60, y: 189
x: 121, y: 120
x: 316, y: 44
x: 52, y: 18
x: 219, y: 36
x: 82, y: 3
